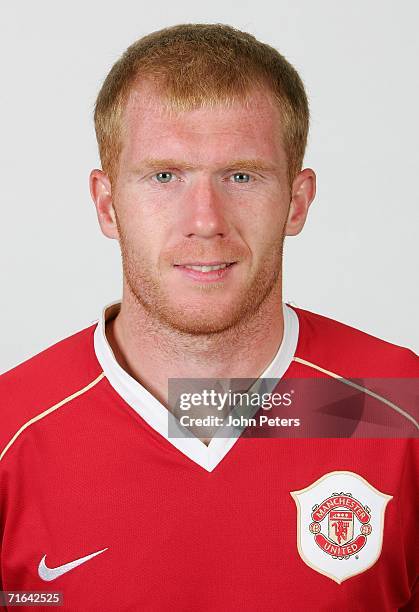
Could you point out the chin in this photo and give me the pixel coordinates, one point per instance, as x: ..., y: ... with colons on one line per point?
x: 203, y: 322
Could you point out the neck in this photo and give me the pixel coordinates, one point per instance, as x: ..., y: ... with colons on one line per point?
x: 152, y: 352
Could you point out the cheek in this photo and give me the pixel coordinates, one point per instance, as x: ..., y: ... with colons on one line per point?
x: 267, y: 229
x: 143, y: 240
x: 139, y: 228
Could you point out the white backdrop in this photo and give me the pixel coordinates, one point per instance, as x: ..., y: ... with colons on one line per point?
x: 355, y: 260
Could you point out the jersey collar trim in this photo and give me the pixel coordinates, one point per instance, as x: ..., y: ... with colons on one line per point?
x: 156, y: 414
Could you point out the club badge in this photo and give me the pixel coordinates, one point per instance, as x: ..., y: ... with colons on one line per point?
x: 340, y: 523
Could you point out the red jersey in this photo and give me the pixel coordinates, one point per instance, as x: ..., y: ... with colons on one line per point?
x: 99, y: 503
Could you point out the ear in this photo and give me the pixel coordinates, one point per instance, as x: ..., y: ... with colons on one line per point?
x: 100, y: 190
x: 302, y: 194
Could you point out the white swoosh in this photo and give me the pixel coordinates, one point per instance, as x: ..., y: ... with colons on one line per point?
x: 51, y: 573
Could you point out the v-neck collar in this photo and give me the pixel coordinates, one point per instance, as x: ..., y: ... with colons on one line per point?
x: 157, y: 415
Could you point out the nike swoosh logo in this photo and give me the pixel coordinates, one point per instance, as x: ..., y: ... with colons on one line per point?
x: 51, y: 573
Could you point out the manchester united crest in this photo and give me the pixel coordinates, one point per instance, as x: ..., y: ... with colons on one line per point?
x: 340, y: 523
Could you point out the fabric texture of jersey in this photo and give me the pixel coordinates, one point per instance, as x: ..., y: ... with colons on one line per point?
x: 98, y: 503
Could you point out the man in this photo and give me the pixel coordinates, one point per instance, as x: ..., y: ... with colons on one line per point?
x: 202, y: 131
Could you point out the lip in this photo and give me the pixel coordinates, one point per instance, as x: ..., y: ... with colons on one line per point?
x: 207, y: 263
x: 206, y: 277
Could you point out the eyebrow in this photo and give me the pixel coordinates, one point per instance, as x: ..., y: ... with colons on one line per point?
x: 255, y: 165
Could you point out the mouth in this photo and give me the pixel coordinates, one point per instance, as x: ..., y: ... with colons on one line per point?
x: 206, y: 271
x: 206, y: 267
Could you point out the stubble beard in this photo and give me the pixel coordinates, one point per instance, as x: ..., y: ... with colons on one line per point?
x: 192, y: 319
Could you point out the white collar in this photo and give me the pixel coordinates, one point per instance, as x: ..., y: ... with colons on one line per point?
x: 157, y: 415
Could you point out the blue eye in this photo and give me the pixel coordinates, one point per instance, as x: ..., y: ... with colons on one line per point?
x: 240, y: 177
x: 163, y: 177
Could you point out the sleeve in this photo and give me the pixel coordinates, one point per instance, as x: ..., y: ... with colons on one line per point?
x: 413, y: 604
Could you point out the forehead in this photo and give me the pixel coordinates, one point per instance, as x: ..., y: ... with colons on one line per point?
x: 208, y: 134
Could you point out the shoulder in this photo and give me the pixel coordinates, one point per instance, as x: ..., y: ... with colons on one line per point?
x: 348, y: 351
x: 380, y: 378
x: 41, y: 382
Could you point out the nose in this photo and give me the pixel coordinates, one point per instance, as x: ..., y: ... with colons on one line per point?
x: 204, y: 211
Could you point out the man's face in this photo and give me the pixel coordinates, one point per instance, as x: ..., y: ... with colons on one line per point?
x: 207, y: 186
